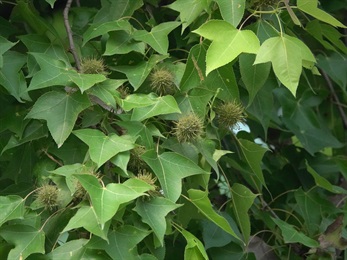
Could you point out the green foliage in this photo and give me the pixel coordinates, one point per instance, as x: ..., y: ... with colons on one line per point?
x: 182, y: 129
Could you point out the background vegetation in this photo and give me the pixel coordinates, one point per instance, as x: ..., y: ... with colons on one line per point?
x: 148, y: 129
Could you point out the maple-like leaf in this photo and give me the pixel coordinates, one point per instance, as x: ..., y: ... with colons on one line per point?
x: 227, y: 43
x: 288, y: 55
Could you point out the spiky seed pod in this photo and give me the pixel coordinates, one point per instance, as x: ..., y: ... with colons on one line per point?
x: 162, y: 82
x: 80, y: 192
x: 48, y: 196
x: 230, y: 113
x: 188, y: 128
x: 123, y: 91
x: 136, y: 162
x: 261, y: 4
x: 146, y: 176
x: 93, y: 66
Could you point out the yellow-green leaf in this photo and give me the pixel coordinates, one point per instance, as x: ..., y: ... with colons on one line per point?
x: 227, y: 43
x: 287, y: 55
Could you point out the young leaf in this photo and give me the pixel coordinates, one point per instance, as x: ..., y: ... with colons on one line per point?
x: 11, y: 207
x: 157, y: 38
x: 243, y: 199
x: 102, y: 147
x: 291, y: 235
x: 27, y: 240
x: 310, y: 7
x: 201, y: 201
x: 189, y: 10
x: 153, y: 212
x: 171, y: 168
x: 287, y: 54
x: 232, y: 10
x: 106, y: 200
x: 227, y: 43
x: 60, y: 110
x: 55, y: 73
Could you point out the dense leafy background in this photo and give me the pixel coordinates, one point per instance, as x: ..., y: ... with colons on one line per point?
x: 121, y: 181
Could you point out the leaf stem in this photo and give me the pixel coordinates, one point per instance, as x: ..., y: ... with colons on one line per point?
x: 336, y: 98
x: 69, y: 34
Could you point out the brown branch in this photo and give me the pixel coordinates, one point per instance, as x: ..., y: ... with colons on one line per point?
x: 336, y: 99
x: 69, y: 34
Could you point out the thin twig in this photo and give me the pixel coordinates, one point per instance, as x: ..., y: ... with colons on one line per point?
x: 52, y: 158
x: 78, y: 3
x: 69, y: 34
x: 336, y: 99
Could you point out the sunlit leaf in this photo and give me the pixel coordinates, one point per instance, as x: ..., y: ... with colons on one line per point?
x: 157, y: 38
x: 60, y: 110
x: 287, y: 54
x: 227, y: 43
x: 102, y: 147
x: 171, y: 168
x: 310, y: 7
x: 153, y: 212
x: 222, y: 79
x: 26, y: 240
x: 232, y: 10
